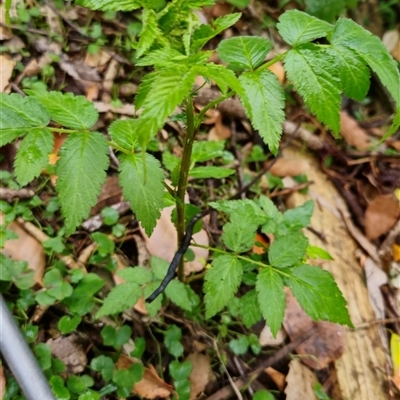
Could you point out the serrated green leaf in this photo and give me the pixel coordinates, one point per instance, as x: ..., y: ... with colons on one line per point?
x: 148, y: 33
x: 144, y: 89
x: 299, y: 217
x: 159, y: 58
x: 138, y: 275
x: 314, y: 74
x: 250, y: 308
x: 163, y: 93
x: 240, y: 232
x: 349, y: 34
x: 244, y: 52
x: 120, y: 298
x: 210, y: 172
x: 353, y: 72
x: 327, y: 10
x: 110, y: 5
x: 32, y: 155
x: 81, y: 172
x: 221, y: 283
x: 287, y: 250
x: 232, y: 206
x: 19, y: 115
x: 297, y: 27
x: 155, y: 305
x: 143, y: 187
x: 317, y: 293
x: 271, y: 298
x: 265, y: 97
x: 124, y: 133
x: 176, y: 292
x: 67, y: 109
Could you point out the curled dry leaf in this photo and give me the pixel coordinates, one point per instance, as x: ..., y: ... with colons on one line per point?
x: 381, y: 215
x: 326, y: 345
x: 201, y: 373
x: 300, y: 381
x: 2, y: 383
x: 151, y: 386
x: 69, y: 350
x: 7, y: 65
x: 352, y: 133
x: 25, y: 248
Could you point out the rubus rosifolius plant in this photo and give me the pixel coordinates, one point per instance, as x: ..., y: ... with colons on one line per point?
x: 171, y: 45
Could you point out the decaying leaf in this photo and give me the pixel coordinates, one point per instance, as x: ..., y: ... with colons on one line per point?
x: 352, y: 133
x: 267, y: 339
x: 69, y: 350
x: 300, y: 381
x: 151, y: 386
x: 201, y: 373
x: 7, y: 65
x: 381, y: 214
x: 288, y: 167
x: 25, y: 248
x: 323, y: 347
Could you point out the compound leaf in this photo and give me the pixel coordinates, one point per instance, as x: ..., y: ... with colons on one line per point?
x: 353, y: 72
x: 81, y: 172
x: 67, y: 109
x: 297, y: 27
x: 287, y: 250
x: 314, y: 74
x: 120, y: 298
x: 349, y: 34
x: 271, y: 298
x: 110, y: 5
x: 221, y: 283
x: 244, y: 52
x: 32, y: 154
x: 19, y: 115
x: 264, y: 105
x: 142, y: 185
x: 317, y: 293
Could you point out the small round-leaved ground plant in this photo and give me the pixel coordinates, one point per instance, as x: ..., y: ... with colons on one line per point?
x: 170, y: 43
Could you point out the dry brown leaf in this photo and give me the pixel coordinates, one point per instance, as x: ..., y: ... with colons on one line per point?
x: 394, y: 143
x: 267, y: 339
x: 7, y: 65
x: 326, y: 345
x: 375, y: 277
x: 70, y: 351
x: 277, y: 377
x: 381, y: 214
x: 352, y: 133
x: 278, y: 70
x: 163, y: 242
x: 151, y: 386
x: 98, y: 59
x: 25, y: 248
x: 219, y: 131
x: 201, y: 373
x: 287, y: 167
x: 391, y: 39
x: 5, y: 33
x: 2, y: 382
x: 300, y: 381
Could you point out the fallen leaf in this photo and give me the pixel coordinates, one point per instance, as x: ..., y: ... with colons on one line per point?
x: 278, y: 70
x: 325, y: 346
x: 287, y: 167
x: 151, y: 386
x: 7, y: 65
x: 219, y: 131
x: 394, y: 143
x: 352, y: 133
x: 381, y: 214
x: 70, y: 352
x: 5, y: 33
x: 277, y: 377
x: 2, y: 383
x: 391, y: 39
x: 201, y: 373
x: 375, y: 277
x: 300, y: 381
x: 260, y: 244
x: 25, y: 248
x: 267, y: 339
x: 395, y: 354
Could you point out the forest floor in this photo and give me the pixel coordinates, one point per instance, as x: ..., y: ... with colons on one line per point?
x: 354, y: 182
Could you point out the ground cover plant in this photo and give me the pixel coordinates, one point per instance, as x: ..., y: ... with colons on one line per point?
x: 324, y: 61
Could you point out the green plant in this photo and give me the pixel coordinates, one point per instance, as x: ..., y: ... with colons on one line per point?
x: 171, y: 42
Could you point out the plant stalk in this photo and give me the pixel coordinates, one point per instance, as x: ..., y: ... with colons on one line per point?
x: 183, y: 179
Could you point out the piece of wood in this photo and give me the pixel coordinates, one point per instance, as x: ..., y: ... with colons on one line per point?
x: 361, y: 370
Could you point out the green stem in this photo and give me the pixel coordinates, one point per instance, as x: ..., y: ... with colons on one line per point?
x: 273, y: 61
x: 63, y: 130
x: 183, y: 178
